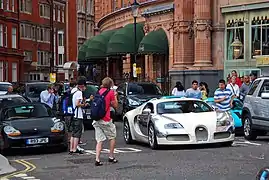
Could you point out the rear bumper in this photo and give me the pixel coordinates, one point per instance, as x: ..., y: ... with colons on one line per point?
x: 20, y: 142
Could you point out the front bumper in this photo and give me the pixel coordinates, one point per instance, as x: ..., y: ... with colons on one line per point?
x: 57, y: 139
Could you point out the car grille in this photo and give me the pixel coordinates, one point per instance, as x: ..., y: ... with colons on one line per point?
x: 182, y: 137
x: 222, y: 135
x: 201, y: 134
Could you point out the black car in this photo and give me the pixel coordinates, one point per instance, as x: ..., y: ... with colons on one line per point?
x: 29, y: 125
x: 133, y: 94
x: 33, y: 90
x: 12, y: 99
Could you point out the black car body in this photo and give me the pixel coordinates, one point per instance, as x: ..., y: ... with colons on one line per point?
x: 12, y: 99
x: 133, y: 94
x: 30, y: 125
x: 33, y: 90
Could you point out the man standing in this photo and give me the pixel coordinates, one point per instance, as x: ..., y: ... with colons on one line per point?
x: 9, y: 90
x: 104, y: 128
x: 234, y: 88
x: 223, y: 97
x: 244, y: 88
x: 78, y: 103
x: 253, y: 76
x: 194, y: 92
x: 47, y: 96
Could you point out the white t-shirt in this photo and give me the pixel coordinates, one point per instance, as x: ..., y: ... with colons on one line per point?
x: 234, y: 89
x: 77, y: 96
x: 175, y: 92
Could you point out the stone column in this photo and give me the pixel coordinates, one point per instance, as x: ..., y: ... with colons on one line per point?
x: 183, y: 42
x: 202, y: 32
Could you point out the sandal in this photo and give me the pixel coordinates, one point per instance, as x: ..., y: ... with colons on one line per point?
x: 98, y: 163
x: 112, y: 160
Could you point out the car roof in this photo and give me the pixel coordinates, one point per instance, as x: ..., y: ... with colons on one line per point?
x: 9, y: 95
x: 156, y: 101
x: 36, y: 83
x: 6, y: 83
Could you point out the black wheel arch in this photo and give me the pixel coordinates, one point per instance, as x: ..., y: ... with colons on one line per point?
x: 245, y: 111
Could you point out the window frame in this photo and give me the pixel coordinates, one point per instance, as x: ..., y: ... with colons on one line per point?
x: 1, y: 35
x: 14, y: 39
x: 252, y: 87
x: 266, y: 81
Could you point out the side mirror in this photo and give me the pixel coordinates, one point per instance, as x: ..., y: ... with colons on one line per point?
x: 265, y: 95
x: 146, y: 111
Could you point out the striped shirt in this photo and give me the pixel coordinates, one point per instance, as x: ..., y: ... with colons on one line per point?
x: 224, y: 105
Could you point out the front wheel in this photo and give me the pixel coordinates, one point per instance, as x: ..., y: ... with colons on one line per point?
x: 127, y: 133
x: 249, y: 133
x: 152, y: 140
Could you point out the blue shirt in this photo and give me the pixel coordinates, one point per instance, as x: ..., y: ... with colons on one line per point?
x: 191, y: 93
x: 47, y: 98
x: 224, y: 105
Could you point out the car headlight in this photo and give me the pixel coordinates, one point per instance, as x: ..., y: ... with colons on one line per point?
x: 224, y: 119
x: 11, y: 131
x: 133, y: 102
x: 57, y: 127
x: 173, y: 126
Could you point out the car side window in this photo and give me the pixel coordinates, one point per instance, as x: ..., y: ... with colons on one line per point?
x: 264, y: 88
x: 254, y: 87
x: 149, y: 106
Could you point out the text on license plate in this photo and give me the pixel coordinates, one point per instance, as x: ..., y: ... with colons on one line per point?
x: 37, y: 141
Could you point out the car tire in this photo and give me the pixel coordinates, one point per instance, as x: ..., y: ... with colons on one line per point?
x: 249, y: 133
x: 127, y: 132
x: 152, y: 140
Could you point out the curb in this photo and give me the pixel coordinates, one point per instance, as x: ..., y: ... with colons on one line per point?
x: 5, y: 166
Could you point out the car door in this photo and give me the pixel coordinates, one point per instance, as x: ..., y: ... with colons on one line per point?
x: 251, y: 99
x: 121, y: 97
x: 262, y: 105
x: 143, y: 119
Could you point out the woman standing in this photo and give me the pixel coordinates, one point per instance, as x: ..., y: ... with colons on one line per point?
x: 178, y: 90
x: 204, y: 89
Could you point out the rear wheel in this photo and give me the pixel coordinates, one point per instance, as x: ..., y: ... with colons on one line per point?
x: 152, y: 140
x: 249, y: 133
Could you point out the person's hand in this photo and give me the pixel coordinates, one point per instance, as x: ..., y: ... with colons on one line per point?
x: 224, y: 98
x: 231, y: 104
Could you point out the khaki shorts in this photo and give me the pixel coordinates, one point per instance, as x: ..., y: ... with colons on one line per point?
x: 104, y: 130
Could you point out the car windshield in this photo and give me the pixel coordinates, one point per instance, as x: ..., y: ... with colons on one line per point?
x: 143, y: 88
x: 236, y: 104
x: 27, y: 111
x: 4, y: 87
x: 33, y: 91
x: 175, y: 107
x: 11, y: 101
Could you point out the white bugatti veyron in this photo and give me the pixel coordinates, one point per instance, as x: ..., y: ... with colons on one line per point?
x: 177, y: 121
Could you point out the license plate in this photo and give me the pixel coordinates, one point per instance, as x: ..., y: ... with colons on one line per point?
x: 88, y: 117
x: 37, y: 141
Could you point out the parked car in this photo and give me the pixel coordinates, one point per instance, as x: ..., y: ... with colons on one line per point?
x: 236, y: 111
x: 133, y: 94
x: 177, y: 121
x: 4, y: 87
x: 30, y: 125
x: 255, y: 113
x: 12, y: 99
x: 33, y: 90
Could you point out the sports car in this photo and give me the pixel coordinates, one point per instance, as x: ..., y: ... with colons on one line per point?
x: 236, y: 111
x: 30, y: 125
x: 177, y: 121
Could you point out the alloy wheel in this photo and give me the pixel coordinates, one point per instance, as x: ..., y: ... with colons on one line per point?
x: 126, y: 131
x: 247, y: 127
x: 151, y: 136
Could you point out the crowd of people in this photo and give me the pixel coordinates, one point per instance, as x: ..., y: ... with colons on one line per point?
x: 225, y: 93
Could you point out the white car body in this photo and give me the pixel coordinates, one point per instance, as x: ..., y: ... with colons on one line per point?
x: 196, y: 128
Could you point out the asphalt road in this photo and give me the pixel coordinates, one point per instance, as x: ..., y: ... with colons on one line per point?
x: 138, y: 162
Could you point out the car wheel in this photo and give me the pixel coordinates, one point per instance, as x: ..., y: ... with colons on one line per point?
x: 228, y: 144
x: 152, y: 140
x: 127, y: 132
x: 124, y: 111
x: 249, y: 133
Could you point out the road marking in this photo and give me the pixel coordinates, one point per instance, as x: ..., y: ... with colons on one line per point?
x: 116, y: 151
x: 27, y: 159
x: 20, y: 175
x: 247, y: 142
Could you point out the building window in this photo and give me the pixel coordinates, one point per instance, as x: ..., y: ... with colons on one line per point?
x: 78, y: 29
x: 54, y: 13
x: 63, y: 15
x: 114, y: 5
x: 1, y: 4
x: 14, y: 72
x: 83, y: 28
x: 60, y: 38
x: 26, y: 6
x: 28, y: 31
x: 43, y: 58
x: 28, y: 56
x: 5, y: 35
x: 122, y: 4
x: 60, y: 59
x: 234, y: 29
x: 6, y: 71
x: 1, y: 71
x: 260, y: 36
x: 7, y: 4
x: 59, y: 15
x: 14, y: 37
x: 13, y: 5
x: 44, y: 11
x: 1, y: 35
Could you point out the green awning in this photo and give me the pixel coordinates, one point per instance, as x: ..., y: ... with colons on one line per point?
x: 155, y: 42
x: 122, y: 41
x: 82, y: 51
x: 97, y: 46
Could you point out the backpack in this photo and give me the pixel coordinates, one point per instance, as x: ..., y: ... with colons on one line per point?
x: 63, y: 103
x: 70, y: 110
x: 98, y: 106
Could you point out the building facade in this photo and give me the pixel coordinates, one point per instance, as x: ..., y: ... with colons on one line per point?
x: 11, y: 55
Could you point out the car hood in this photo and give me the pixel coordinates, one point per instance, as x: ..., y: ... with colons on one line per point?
x: 143, y: 98
x: 3, y: 92
x: 190, y: 121
x: 25, y: 125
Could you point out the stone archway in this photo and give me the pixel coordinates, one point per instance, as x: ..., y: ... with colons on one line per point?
x: 69, y: 69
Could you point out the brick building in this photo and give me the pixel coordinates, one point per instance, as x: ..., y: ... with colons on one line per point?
x: 180, y: 39
x: 11, y: 55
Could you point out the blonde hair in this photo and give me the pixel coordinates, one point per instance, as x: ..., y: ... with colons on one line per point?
x: 107, y: 82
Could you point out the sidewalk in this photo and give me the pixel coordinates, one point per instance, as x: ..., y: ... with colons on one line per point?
x: 5, y: 166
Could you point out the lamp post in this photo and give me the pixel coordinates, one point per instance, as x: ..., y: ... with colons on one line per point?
x: 51, y: 36
x: 135, y: 7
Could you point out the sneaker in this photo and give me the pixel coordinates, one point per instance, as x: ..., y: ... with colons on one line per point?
x: 79, y: 152
x: 80, y: 149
